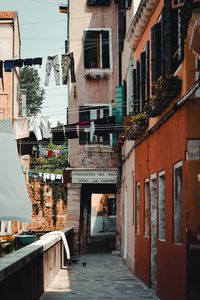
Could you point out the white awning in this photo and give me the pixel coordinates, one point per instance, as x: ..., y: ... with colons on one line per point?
x: 14, y: 200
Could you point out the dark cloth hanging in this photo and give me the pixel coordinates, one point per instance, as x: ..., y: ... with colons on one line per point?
x: 18, y: 63
x: 68, y: 65
x: 100, y: 126
x: 71, y: 67
x: 37, y: 61
x: 70, y: 131
x: 84, y: 123
x: 58, y: 135
x: 104, y: 126
x: 65, y: 68
x: 111, y: 124
x: 1, y: 74
x: 8, y: 65
x: 28, y: 62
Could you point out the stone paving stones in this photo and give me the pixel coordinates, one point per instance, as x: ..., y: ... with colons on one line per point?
x: 104, y: 277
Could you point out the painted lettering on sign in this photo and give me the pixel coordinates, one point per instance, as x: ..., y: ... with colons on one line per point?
x: 104, y: 177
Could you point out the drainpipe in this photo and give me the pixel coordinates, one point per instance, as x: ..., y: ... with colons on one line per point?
x: 13, y: 70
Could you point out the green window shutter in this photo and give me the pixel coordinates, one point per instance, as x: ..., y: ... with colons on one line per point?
x: 130, y: 84
x: 119, y: 100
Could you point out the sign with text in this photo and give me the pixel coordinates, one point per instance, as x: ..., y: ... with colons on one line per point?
x: 86, y: 176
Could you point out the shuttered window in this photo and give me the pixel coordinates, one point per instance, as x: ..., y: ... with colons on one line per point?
x: 147, y: 74
x: 137, y: 100
x: 84, y: 115
x: 142, y: 77
x: 96, y: 49
x: 134, y: 91
x: 86, y: 132
x: 155, y: 51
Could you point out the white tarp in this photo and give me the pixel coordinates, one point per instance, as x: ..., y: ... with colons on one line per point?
x: 14, y: 200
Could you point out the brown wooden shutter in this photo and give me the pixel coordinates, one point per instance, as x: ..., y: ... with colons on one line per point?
x: 155, y: 51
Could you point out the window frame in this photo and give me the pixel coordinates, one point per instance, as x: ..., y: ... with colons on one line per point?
x: 100, y: 70
x: 175, y: 167
x: 161, y: 175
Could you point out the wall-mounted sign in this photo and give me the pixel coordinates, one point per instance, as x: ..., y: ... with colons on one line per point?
x: 87, y: 176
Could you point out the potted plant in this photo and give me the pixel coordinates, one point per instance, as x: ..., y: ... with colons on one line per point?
x: 137, y: 126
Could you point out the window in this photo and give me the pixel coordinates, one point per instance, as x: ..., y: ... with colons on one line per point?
x: 197, y: 94
x: 141, y: 84
x: 138, y: 208
x: 97, y: 49
x: 178, y: 199
x: 87, y: 114
x: 161, y: 204
x: 146, y: 208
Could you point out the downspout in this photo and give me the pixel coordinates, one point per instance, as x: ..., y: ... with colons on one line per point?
x: 13, y: 70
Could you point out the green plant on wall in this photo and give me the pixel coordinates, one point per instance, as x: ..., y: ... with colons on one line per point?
x: 42, y: 195
x: 35, y: 207
x: 59, y: 191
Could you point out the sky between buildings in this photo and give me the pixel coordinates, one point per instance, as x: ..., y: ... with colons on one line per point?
x: 43, y: 32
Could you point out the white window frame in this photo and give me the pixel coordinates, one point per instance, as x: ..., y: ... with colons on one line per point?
x: 160, y: 175
x: 146, y: 194
x: 100, y: 70
x: 176, y: 166
x: 138, y: 207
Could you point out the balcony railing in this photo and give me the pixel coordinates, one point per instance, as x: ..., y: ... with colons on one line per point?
x: 26, y: 273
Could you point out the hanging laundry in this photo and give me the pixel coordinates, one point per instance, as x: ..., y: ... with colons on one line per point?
x: 37, y: 61
x: 68, y: 64
x: 84, y: 123
x: 71, y: 132
x: 18, y: 63
x: 71, y: 67
x: 65, y: 68
x: 1, y: 74
x: 21, y: 128
x: 45, y: 130
x: 8, y: 65
x: 28, y: 62
x: 58, y: 135
x: 100, y: 126
x: 52, y: 61
x: 35, y: 126
x: 50, y: 152
x: 112, y: 124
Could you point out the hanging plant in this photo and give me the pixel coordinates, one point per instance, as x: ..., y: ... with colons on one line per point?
x: 137, y: 125
x: 164, y: 91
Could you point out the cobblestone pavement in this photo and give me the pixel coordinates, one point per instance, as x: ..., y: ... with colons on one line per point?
x: 104, y: 277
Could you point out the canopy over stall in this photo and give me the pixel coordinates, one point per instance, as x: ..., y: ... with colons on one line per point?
x: 14, y: 200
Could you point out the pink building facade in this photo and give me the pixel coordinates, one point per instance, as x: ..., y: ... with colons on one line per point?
x: 93, y: 41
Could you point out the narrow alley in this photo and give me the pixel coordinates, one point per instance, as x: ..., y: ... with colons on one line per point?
x: 103, y: 277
